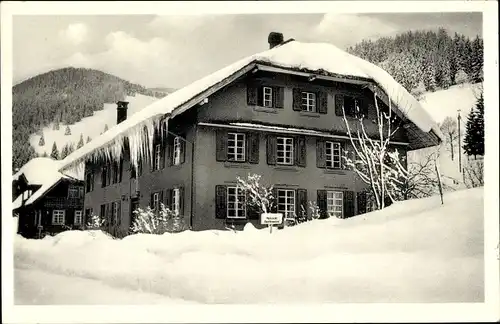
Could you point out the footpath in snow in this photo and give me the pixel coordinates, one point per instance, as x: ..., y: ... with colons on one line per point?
x: 414, y: 251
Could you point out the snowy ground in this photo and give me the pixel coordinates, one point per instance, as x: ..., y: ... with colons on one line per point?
x: 414, y: 251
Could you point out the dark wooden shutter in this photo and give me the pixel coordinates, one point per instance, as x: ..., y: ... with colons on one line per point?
x: 271, y: 149
x: 151, y: 201
x: 279, y: 95
x: 220, y: 201
x: 183, y: 150
x: 252, y: 94
x: 348, y: 204
x: 181, y: 201
x: 321, y: 202
x: 320, y: 153
x: 363, y: 107
x: 301, y: 151
x: 167, y: 199
x: 253, y: 148
x: 297, y: 99
x: 339, y: 103
x: 221, y: 145
x: 274, y: 201
x: 301, y: 202
x: 121, y: 170
x: 343, y: 164
x: 119, y: 216
x: 322, y: 102
x: 361, y: 199
x: 170, y: 150
x: 163, y: 153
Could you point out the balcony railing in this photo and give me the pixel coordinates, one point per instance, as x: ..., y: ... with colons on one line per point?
x: 61, y: 202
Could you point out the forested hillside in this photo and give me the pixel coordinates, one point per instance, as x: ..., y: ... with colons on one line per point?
x: 426, y: 60
x: 62, y: 96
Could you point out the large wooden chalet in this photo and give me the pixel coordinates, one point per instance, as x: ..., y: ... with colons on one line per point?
x: 284, y: 123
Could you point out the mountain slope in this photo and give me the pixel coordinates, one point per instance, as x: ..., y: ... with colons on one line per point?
x: 63, y: 96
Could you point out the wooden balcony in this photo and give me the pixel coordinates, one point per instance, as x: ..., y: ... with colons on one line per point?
x: 60, y: 202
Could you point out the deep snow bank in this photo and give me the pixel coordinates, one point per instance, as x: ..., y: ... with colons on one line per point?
x: 414, y: 251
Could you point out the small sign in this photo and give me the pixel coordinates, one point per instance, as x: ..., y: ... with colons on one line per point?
x: 271, y: 218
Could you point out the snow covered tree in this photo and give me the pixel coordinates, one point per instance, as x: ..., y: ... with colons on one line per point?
x: 64, y: 151
x: 56, y: 125
x: 95, y: 222
x: 41, y: 142
x: 381, y: 169
x: 162, y: 221
x: 68, y: 131
x: 450, y: 130
x: 474, y: 173
x: 44, y: 154
x: 88, y: 139
x: 477, y: 60
x: 259, y: 196
x: 461, y: 77
x: 474, y: 130
x: 105, y: 128
x: 80, y: 142
x: 55, y: 153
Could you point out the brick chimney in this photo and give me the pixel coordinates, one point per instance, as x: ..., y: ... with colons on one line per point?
x: 275, y: 39
x: 121, y: 111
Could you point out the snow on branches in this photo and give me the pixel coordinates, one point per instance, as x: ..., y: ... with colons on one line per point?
x: 160, y: 221
x: 373, y: 162
x: 258, y: 195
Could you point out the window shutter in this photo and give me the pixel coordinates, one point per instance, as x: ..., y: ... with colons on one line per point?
x: 343, y: 153
x: 119, y: 213
x: 300, y: 151
x: 271, y: 149
x: 321, y: 202
x: 121, y: 170
x: 348, y: 204
x: 301, y: 202
x: 167, y: 199
x: 151, y: 201
x: 221, y: 145
x: 181, y: 201
x: 363, y: 107
x: 183, y: 150
x: 170, y: 150
x: 361, y: 198
x: 253, y: 148
x: 220, y: 201
x: 339, y: 103
x: 320, y: 153
x: 274, y: 201
x: 279, y: 95
x: 322, y: 102
x: 163, y: 153
x: 297, y: 99
x: 252, y: 94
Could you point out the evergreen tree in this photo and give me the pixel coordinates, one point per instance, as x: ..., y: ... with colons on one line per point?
x: 71, y: 148
x: 68, y: 131
x: 41, y: 142
x: 55, y: 153
x: 64, y: 151
x: 80, y: 142
x: 477, y: 60
x: 105, y: 128
x: 44, y: 154
x: 88, y: 139
x: 480, y: 125
x: 56, y: 125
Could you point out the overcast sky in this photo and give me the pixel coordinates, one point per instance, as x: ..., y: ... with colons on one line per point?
x: 172, y: 51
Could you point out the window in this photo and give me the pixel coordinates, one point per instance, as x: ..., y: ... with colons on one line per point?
x: 89, y: 182
x: 286, y: 203
x: 116, y: 172
x: 58, y: 217
x: 114, y: 211
x: 156, y: 201
x: 236, y: 147
x: 104, y: 176
x: 333, y: 153
x: 284, y: 150
x: 334, y: 203
x: 80, y: 192
x: 236, y: 202
x: 351, y: 106
x: 78, y: 217
x: 73, y: 192
x: 177, y: 151
x: 176, y: 198
x: 309, y: 101
x: 157, y: 156
x: 267, y: 96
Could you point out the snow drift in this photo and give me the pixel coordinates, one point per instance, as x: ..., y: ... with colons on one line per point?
x: 413, y: 251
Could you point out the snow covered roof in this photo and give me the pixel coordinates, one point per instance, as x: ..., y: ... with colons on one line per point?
x: 311, y: 57
x: 40, y: 171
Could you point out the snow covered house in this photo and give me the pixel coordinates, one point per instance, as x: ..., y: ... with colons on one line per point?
x: 277, y: 113
x: 45, y: 200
